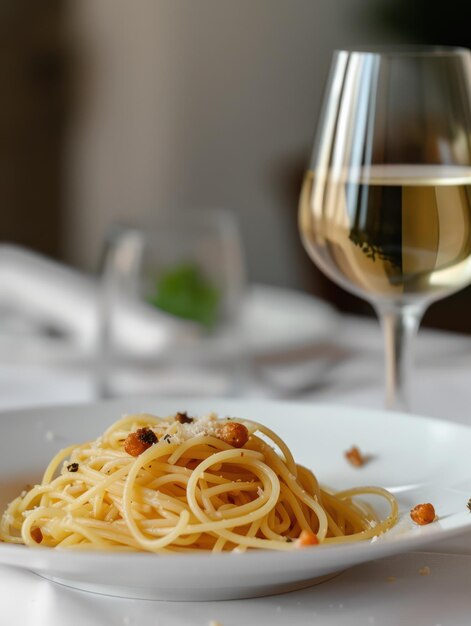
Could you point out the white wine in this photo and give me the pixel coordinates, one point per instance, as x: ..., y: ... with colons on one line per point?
x: 393, y: 231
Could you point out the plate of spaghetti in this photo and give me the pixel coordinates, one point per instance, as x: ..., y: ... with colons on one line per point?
x: 221, y: 499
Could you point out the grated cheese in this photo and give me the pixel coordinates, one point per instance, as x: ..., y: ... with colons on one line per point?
x: 208, y: 426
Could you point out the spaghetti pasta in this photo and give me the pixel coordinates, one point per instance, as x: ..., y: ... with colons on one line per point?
x: 180, y: 484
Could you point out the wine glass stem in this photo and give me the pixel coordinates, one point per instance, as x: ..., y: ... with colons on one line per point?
x: 400, y: 324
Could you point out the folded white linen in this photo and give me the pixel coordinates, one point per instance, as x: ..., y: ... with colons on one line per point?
x: 52, y: 295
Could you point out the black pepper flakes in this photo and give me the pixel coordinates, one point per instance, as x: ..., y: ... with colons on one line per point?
x: 73, y: 467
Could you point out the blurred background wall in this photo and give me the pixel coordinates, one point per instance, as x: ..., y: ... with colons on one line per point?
x: 201, y: 103
x: 112, y: 109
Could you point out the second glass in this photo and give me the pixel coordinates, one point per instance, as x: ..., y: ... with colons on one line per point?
x: 171, y: 301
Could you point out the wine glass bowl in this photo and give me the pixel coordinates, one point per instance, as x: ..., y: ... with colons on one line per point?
x: 385, y: 208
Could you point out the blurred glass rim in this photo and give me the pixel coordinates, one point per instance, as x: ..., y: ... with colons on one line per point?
x: 202, y: 220
x: 404, y: 50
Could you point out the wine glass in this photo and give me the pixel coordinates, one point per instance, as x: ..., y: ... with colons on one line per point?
x: 385, y: 208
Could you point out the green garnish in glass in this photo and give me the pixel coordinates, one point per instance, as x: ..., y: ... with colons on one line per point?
x: 185, y: 292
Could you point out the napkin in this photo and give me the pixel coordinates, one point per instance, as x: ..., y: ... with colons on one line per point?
x: 61, y: 300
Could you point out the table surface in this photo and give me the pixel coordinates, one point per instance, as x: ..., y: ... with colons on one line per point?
x: 389, y: 591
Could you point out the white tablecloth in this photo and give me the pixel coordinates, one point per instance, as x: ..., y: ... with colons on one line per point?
x: 362, y: 595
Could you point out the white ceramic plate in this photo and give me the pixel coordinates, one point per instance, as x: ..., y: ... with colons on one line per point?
x: 419, y: 459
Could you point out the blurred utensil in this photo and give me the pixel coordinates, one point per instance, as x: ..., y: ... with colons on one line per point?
x: 299, y: 370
